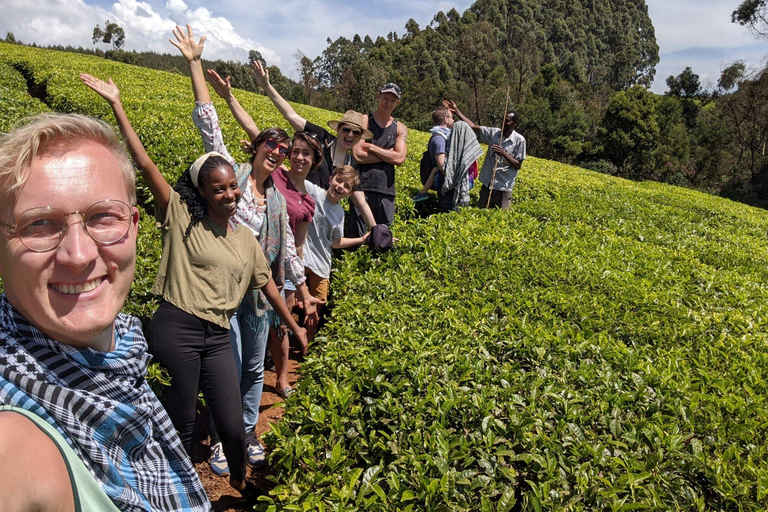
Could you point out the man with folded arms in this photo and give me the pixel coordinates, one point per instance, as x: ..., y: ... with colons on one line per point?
x: 377, y: 159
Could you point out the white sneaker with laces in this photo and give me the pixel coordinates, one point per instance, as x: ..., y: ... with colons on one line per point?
x: 219, y: 461
x: 256, y: 456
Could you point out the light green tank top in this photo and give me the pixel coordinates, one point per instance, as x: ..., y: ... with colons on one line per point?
x: 89, y: 496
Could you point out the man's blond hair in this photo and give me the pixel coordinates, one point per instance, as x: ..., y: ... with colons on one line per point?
x: 30, y: 137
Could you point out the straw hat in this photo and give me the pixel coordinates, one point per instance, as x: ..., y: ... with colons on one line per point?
x: 352, y: 118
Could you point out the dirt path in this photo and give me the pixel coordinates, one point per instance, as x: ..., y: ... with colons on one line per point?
x: 222, y: 496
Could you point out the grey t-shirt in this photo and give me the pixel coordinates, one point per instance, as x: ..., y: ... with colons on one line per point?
x: 327, y: 225
x: 505, y: 175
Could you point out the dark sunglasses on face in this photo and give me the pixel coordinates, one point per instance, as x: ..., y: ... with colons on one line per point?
x: 348, y: 130
x: 272, y: 145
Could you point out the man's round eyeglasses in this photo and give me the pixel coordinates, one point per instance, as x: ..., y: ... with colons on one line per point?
x: 41, y: 229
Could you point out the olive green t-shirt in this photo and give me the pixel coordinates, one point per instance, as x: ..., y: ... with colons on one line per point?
x: 208, y: 274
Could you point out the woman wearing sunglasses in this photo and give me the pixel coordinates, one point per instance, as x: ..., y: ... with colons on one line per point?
x: 263, y: 210
x: 208, y: 264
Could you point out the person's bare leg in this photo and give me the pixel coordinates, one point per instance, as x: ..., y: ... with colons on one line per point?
x: 429, y: 182
x: 279, y: 346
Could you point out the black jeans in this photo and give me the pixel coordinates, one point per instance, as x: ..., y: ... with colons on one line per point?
x: 382, y: 207
x: 198, y: 355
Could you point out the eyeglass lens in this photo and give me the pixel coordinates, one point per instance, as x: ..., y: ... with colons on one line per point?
x: 42, y: 229
x: 271, y: 145
x: 347, y: 129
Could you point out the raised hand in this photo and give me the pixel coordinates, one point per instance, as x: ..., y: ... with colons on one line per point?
x: 450, y: 105
x: 186, y: 43
x: 261, y: 74
x: 108, y: 91
x: 222, y: 87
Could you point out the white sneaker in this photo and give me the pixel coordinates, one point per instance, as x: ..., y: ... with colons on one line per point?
x: 219, y: 461
x: 256, y: 456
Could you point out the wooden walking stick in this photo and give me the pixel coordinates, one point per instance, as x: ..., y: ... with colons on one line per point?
x: 496, y: 160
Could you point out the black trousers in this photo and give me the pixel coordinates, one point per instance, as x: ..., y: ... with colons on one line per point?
x: 382, y: 207
x: 198, y: 356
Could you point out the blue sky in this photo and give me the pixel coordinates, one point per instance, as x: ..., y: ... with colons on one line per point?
x: 696, y: 33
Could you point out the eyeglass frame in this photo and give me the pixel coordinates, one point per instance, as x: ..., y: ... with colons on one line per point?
x: 355, y: 133
x: 65, y: 225
x: 284, y: 151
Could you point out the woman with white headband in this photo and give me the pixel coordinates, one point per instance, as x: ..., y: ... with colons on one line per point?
x: 207, y: 266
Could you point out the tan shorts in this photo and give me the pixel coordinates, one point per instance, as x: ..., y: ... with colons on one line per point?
x: 318, y: 286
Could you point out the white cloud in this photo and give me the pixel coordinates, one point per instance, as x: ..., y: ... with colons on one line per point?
x: 71, y: 22
x: 176, y: 6
x: 699, y: 34
x: 696, y: 24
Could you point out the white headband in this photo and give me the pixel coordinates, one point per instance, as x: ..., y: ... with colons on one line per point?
x: 194, y: 171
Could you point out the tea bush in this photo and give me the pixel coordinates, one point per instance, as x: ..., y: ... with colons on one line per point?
x: 599, y: 346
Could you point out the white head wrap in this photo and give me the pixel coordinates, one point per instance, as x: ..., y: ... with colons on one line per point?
x: 194, y: 171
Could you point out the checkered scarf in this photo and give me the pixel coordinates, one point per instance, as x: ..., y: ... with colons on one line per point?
x: 105, y: 409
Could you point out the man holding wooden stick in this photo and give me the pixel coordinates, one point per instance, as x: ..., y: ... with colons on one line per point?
x: 506, y: 152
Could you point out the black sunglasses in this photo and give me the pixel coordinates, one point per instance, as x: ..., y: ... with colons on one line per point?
x: 347, y: 129
x: 272, y: 145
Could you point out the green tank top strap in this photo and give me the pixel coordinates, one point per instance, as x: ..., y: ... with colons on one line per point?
x: 89, y: 496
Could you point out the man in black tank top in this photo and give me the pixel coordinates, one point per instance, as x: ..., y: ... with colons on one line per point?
x: 377, y: 159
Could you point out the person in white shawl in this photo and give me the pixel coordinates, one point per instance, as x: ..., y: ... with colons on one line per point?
x: 463, y: 151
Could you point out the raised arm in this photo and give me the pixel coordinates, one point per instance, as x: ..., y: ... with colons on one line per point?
x: 368, y: 153
x: 160, y: 188
x: 204, y: 114
x: 451, y: 105
x: 192, y: 52
x: 261, y: 74
x: 224, y: 89
x: 33, y: 473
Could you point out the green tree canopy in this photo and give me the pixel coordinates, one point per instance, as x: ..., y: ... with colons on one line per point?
x: 112, y: 33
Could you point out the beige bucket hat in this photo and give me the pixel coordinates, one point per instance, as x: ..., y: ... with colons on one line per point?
x: 352, y: 118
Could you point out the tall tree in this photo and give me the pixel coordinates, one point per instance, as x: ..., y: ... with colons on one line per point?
x: 687, y: 87
x: 753, y: 14
x: 630, y: 130
x: 112, y: 33
x: 746, y: 113
x: 477, y: 58
x: 307, y: 74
